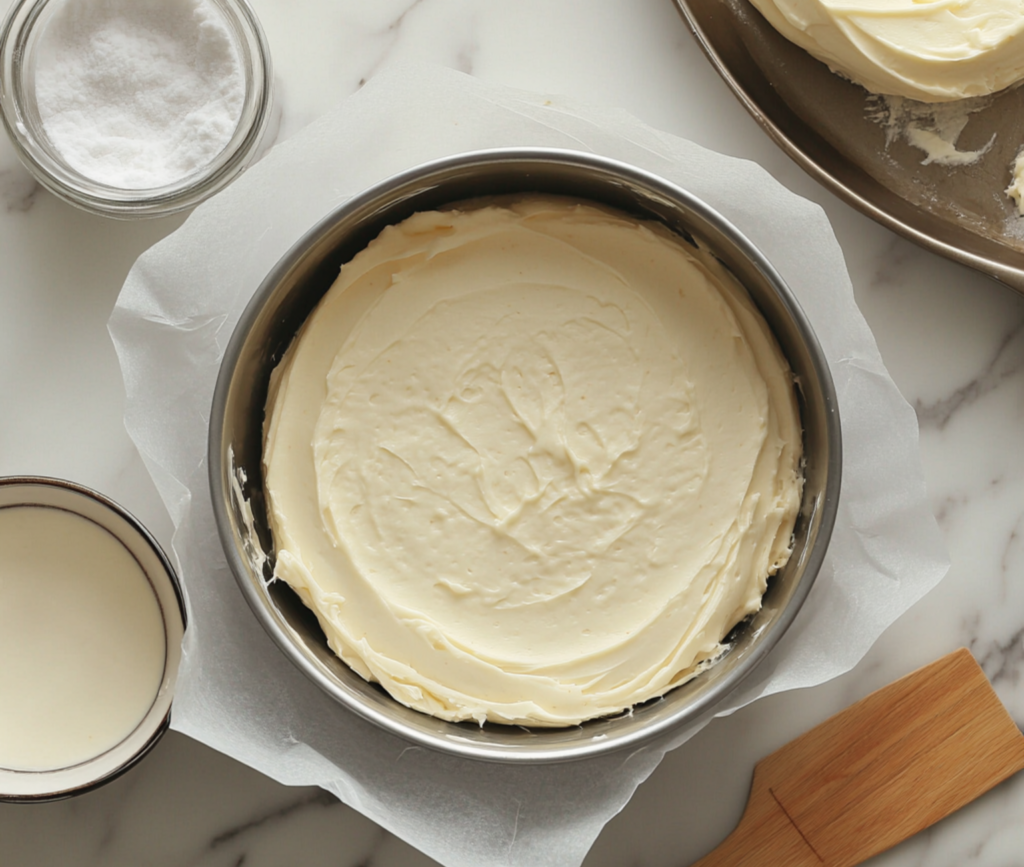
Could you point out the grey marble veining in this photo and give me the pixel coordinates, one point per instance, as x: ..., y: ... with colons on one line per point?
x: 18, y: 189
x: 953, y: 341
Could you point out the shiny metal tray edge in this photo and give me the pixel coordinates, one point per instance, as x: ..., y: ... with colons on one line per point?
x: 835, y: 172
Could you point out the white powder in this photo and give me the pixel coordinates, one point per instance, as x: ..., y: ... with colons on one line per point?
x: 138, y: 93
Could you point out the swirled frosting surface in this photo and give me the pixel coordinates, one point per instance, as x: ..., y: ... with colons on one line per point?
x: 929, y: 50
x: 530, y: 462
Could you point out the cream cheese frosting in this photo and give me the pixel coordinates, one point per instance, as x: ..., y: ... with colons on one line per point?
x: 530, y: 462
x: 929, y: 50
x: 1016, y: 188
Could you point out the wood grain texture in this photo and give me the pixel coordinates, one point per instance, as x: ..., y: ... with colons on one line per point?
x: 885, y: 768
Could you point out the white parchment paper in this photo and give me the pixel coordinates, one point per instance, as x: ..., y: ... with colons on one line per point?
x: 240, y: 695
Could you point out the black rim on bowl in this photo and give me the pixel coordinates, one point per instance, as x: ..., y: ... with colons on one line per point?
x: 294, y: 287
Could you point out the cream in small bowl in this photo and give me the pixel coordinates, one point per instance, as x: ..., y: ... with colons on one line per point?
x: 91, y: 621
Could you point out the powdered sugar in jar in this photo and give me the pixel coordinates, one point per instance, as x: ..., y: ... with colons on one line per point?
x: 134, y: 107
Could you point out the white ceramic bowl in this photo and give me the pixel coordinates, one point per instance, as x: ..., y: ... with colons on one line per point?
x: 93, y: 771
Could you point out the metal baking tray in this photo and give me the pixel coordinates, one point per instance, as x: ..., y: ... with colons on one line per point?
x: 831, y: 128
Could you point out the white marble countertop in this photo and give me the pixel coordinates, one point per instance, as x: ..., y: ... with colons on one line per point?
x: 952, y: 339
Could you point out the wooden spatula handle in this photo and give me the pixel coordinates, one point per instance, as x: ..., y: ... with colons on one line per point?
x: 885, y: 768
x: 764, y: 837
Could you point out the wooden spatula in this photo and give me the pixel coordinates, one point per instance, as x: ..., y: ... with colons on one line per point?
x: 885, y: 768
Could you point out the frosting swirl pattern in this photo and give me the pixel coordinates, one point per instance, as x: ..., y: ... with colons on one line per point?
x: 530, y: 462
x: 929, y: 50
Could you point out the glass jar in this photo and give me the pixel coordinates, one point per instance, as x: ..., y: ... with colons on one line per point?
x: 19, y: 39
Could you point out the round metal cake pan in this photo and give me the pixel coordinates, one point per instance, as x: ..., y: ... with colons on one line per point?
x: 830, y: 128
x: 291, y: 291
